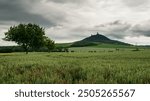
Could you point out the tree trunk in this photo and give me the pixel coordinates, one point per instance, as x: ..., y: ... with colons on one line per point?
x: 26, y: 52
x: 25, y: 47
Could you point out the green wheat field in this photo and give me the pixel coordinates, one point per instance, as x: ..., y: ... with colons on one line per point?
x: 102, y: 66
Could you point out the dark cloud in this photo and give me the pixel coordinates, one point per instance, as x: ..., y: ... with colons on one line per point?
x: 18, y: 11
x: 117, y: 29
x: 142, y: 29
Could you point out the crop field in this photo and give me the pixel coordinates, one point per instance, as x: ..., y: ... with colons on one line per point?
x: 98, y: 67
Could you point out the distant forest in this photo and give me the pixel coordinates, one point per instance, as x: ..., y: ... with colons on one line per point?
x: 10, y: 49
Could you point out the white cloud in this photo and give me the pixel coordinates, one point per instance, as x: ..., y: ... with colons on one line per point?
x: 2, y: 42
x: 141, y: 40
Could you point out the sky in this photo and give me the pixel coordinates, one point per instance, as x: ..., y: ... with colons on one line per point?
x: 72, y: 20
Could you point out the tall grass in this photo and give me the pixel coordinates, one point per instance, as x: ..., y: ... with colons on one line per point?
x: 127, y: 67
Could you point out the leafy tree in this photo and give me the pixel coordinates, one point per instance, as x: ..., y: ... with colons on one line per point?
x: 26, y: 35
x: 50, y: 44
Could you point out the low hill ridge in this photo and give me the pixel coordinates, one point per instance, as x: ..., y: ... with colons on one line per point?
x: 95, y: 40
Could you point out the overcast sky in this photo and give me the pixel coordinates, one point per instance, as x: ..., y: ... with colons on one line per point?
x: 72, y: 20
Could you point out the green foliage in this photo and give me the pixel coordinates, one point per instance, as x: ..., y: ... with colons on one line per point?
x: 123, y: 66
x: 26, y: 35
x: 50, y: 44
x: 9, y: 49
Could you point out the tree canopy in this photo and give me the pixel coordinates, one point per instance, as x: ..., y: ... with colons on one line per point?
x: 27, y: 36
x: 50, y: 44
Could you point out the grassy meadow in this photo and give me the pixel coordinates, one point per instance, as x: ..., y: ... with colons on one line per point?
x: 100, y: 66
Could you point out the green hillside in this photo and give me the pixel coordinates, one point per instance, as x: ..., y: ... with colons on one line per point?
x: 100, y: 41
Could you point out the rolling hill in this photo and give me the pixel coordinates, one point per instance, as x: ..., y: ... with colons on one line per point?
x: 97, y: 40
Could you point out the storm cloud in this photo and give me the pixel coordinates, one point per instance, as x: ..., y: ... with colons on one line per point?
x: 116, y: 29
x: 72, y: 20
x: 17, y: 11
x: 142, y: 29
